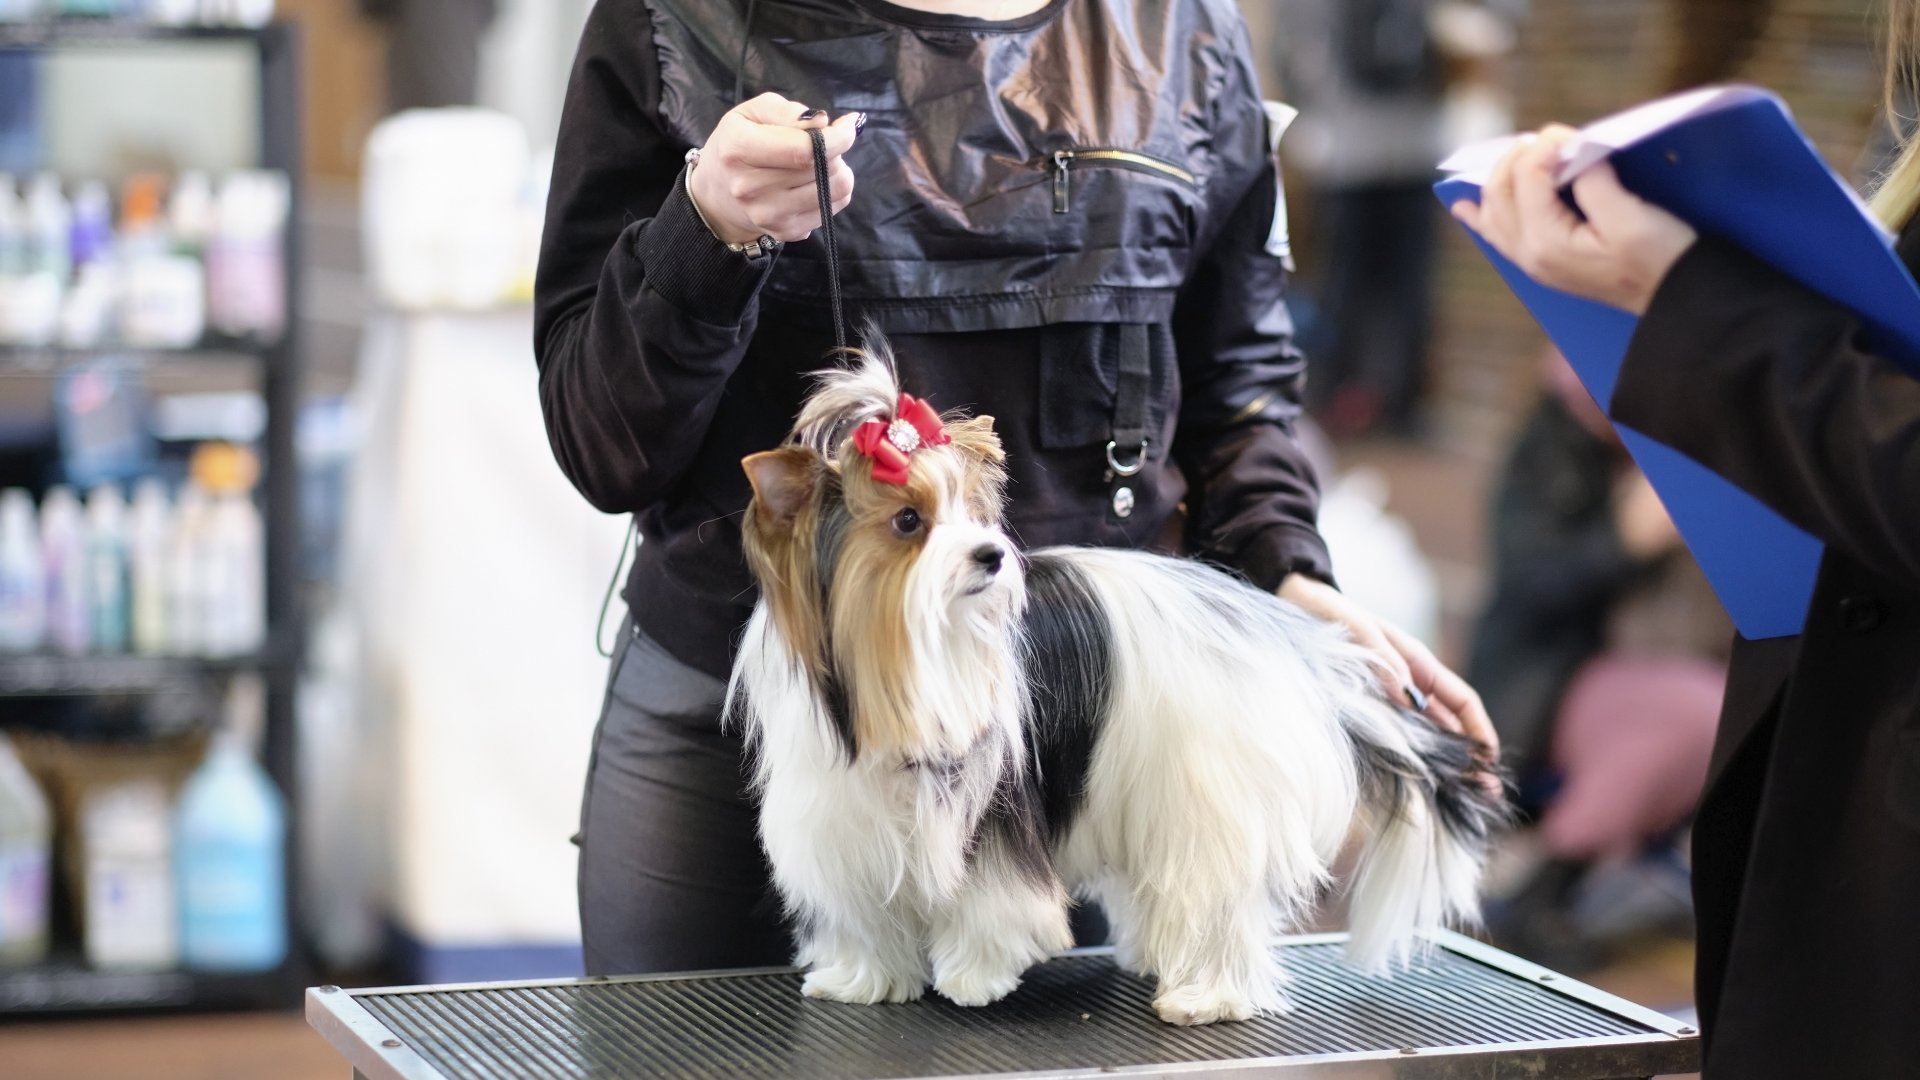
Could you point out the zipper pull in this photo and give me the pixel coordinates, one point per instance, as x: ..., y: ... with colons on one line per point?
x: 1061, y: 184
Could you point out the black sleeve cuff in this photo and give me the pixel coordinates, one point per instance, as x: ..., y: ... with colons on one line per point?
x: 1280, y: 550
x: 1715, y: 293
x: 687, y: 265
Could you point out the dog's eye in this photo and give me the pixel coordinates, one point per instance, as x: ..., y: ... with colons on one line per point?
x: 907, y: 521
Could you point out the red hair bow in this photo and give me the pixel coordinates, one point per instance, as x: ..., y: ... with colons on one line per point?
x: 890, y: 445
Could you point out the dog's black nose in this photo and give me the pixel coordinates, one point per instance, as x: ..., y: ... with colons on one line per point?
x: 989, y: 556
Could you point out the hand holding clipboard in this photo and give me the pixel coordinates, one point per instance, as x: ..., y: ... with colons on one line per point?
x: 1731, y: 164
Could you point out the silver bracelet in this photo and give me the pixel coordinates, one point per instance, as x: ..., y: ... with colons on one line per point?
x: 752, y: 249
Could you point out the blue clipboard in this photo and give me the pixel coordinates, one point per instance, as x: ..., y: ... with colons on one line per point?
x: 1747, y: 174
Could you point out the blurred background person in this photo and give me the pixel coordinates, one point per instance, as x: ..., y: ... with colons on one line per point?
x: 433, y: 49
x: 1372, y: 81
x: 1602, y: 654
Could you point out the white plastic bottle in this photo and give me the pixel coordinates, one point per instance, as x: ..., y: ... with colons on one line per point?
x: 246, y: 278
x: 91, y: 238
x: 23, y: 582
x: 147, y: 559
x: 235, y: 547
x: 33, y: 264
x: 174, y: 12
x: 230, y: 850
x: 63, y: 547
x: 13, y: 230
x: 186, y: 591
x: 252, y: 14
x: 26, y: 859
x: 191, y: 214
x: 131, y: 920
x: 49, y: 229
x: 164, y: 302
x: 108, y: 599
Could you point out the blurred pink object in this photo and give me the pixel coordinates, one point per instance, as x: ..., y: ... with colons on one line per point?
x: 1632, y: 741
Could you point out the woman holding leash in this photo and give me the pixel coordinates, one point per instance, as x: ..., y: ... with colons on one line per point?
x: 1807, y: 844
x: 1065, y: 217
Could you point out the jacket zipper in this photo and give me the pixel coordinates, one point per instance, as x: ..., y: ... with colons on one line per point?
x: 1064, y: 160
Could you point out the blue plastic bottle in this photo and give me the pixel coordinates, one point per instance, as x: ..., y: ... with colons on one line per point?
x: 230, y: 835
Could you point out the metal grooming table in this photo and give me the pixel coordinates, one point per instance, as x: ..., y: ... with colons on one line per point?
x: 1468, y: 1013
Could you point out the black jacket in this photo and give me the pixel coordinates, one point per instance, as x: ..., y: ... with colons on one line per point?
x: 1001, y: 269
x: 1807, y: 844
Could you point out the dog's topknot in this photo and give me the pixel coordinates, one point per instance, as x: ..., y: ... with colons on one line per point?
x: 867, y: 388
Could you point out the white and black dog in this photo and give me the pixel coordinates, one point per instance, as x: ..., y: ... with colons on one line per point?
x: 953, y: 738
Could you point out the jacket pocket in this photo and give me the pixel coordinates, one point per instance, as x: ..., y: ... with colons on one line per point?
x: 1065, y: 163
x: 1080, y: 385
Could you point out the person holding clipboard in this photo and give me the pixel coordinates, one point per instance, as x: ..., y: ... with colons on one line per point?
x: 1807, y: 844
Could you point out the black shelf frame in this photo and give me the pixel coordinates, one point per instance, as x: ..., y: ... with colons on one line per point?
x: 114, y: 31
x: 43, y: 675
x: 66, y: 986
x: 37, y: 359
x: 63, y: 985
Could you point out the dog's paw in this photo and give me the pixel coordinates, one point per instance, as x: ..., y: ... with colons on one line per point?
x: 859, y: 984
x: 1190, y: 1006
x: 977, y: 986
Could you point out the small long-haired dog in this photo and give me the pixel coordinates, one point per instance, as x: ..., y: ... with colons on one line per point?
x: 952, y: 737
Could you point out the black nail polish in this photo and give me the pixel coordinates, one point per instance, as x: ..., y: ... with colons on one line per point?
x: 806, y: 115
x: 1419, y: 699
x: 859, y: 122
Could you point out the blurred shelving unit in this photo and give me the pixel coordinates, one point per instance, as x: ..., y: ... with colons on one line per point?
x: 64, y: 984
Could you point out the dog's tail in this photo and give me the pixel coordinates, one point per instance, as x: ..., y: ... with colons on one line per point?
x: 1424, y: 793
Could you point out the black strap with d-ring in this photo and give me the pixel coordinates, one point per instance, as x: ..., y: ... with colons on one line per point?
x: 1127, y: 450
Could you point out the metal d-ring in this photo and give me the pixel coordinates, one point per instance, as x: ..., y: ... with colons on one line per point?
x: 1139, y: 461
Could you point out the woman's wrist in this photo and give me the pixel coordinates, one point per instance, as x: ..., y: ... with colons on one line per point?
x: 738, y: 240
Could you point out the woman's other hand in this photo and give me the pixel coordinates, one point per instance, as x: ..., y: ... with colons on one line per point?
x: 1404, y: 662
x: 1617, y: 256
x: 755, y: 174
x: 1646, y: 531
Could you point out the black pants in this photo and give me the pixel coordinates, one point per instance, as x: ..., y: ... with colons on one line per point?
x: 1376, y: 295
x: 672, y: 876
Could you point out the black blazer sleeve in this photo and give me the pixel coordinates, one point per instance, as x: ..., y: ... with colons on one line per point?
x: 1254, y: 496
x: 640, y: 313
x: 1774, y: 388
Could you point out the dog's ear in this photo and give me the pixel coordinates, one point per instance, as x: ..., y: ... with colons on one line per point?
x: 784, y: 481
x: 975, y: 435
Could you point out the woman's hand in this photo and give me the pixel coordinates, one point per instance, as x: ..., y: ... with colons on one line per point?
x: 1646, y: 531
x: 1405, y: 664
x: 755, y: 175
x: 1618, y: 255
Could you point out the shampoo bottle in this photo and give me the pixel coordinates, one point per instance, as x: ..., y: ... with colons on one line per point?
x: 230, y: 840
x: 108, y: 601
x: 186, y: 586
x: 23, y: 582
x: 63, y: 546
x: 130, y: 916
x: 147, y: 558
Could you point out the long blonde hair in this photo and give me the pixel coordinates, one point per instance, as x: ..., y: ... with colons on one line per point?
x: 1897, y: 197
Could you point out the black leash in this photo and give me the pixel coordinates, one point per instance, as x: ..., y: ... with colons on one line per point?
x: 839, y: 341
x: 826, y: 237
